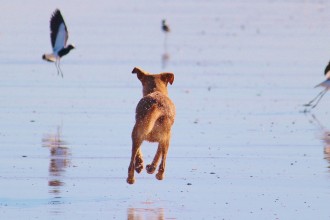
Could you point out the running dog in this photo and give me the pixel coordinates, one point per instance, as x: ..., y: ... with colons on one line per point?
x: 154, y: 115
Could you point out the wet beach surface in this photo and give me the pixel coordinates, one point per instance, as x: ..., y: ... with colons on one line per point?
x: 241, y: 148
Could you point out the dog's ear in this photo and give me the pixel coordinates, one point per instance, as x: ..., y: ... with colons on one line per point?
x: 168, y: 77
x: 140, y: 73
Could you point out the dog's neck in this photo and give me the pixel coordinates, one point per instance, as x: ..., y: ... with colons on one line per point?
x: 153, y: 82
x: 151, y: 86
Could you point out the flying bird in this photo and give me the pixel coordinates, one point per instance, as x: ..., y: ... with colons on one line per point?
x: 59, y: 36
x: 165, y: 26
x: 326, y: 84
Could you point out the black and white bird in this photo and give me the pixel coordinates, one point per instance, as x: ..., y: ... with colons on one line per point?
x: 165, y: 26
x: 59, y: 36
x: 325, y: 84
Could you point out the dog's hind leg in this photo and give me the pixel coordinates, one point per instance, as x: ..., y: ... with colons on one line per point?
x: 136, y: 144
x: 152, y: 167
x: 164, y: 149
x: 139, y: 161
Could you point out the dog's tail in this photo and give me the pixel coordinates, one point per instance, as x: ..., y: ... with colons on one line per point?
x: 150, y: 118
x: 147, y: 122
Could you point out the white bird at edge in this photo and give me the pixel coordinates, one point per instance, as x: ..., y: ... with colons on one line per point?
x: 326, y: 84
x: 59, y: 36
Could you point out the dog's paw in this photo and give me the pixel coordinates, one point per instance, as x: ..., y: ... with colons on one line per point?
x: 150, y: 169
x: 130, y: 180
x: 138, y: 164
x: 160, y: 176
x: 139, y: 168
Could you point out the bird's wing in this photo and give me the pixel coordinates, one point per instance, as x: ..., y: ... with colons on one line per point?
x: 326, y: 71
x: 61, y: 38
x: 58, y: 31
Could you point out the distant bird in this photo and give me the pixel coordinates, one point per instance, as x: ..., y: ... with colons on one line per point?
x: 165, y: 56
x: 326, y: 84
x: 165, y: 26
x: 58, y: 36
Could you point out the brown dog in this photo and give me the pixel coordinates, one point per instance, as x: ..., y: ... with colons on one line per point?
x: 154, y: 117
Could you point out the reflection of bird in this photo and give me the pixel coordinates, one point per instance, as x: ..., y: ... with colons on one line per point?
x: 58, y: 36
x: 326, y: 84
x: 59, y: 159
x: 165, y: 58
x: 325, y: 138
x: 165, y: 26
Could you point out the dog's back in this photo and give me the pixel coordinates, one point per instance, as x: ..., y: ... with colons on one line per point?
x: 157, y: 112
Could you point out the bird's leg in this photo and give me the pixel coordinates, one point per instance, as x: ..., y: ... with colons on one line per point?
x: 165, y: 41
x: 59, y: 67
x: 316, y: 97
x: 323, y: 93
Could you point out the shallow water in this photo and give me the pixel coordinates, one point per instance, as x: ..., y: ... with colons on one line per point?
x: 241, y: 148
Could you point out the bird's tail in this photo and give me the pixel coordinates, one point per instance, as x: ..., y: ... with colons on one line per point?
x: 325, y: 84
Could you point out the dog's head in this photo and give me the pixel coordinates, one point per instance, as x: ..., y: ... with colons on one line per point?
x: 153, y: 82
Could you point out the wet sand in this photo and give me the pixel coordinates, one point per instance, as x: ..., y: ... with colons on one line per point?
x: 241, y: 148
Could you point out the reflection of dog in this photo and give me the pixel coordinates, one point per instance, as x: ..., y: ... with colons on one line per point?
x: 154, y: 117
x: 145, y: 213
